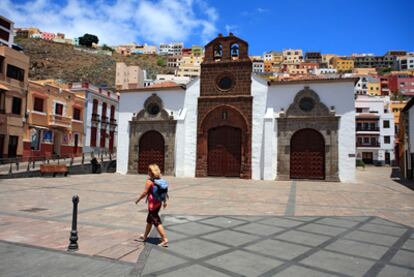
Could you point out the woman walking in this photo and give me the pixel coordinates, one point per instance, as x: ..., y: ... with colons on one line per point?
x: 154, y: 205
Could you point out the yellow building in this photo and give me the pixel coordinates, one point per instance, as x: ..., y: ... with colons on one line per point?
x: 396, y: 107
x: 55, y: 121
x: 342, y: 64
x: 327, y: 60
x: 268, y: 66
x: 364, y: 71
x: 374, y: 87
x: 189, y: 66
x: 292, y: 56
x: 14, y: 68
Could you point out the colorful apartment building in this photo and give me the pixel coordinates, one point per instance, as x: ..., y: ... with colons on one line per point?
x: 374, y: 86
x: 55, y: 121
x: 27, y: 32
x: 368, y: 61
x: 258, y: 66
x: 189, y: 66
x: 342, y: 64
x: 48, y: 36
x: 171, y: 49
x: 197, y: 50
x: 128, y: 76
x: 401, y: 84
x: 100, y: 117
x: 14, y: 68
x: 327, y: 60
x: 292, y: 56
x: 313, y: 57
x: 6, y: 32
x: 374, y: 130
x: 404, y: 63
x: 385, y: 90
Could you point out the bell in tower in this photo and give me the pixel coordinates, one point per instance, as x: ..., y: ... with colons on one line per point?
x: 218, y: 51
x: 234, y: 51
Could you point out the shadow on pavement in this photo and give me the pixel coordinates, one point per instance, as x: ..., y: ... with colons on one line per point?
x: 398, y: 178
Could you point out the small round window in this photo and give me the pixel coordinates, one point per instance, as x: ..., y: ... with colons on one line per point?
x: 153, y: 109
x: 306, y: 104
x: 225, y: 83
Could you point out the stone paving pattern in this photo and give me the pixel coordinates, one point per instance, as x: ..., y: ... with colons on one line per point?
x: 22, y: 260
x: 282, y: 246
x: 37, y: 211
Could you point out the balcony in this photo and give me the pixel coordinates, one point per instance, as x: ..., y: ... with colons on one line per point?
x: 3, y: 120
x: 59, y: 121
x: 104, y: 120
x: 95, y: 117
x: 367, y: 129
x: 370, y: 145
x: 113, y: 122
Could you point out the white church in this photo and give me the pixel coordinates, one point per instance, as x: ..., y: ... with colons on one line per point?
x: 232, y: 123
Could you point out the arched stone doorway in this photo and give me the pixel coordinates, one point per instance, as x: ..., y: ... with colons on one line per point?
x: 152, y: 129
x: 307, y: 155
x: 151, y: 150
x: 223, y: 144
x: 312, y: 128
x: 224, y: 151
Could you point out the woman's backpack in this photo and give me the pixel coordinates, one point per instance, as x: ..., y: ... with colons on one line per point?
x: 160, y: 189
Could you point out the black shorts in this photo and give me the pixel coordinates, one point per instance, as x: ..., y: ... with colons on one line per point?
x: 154, y: 218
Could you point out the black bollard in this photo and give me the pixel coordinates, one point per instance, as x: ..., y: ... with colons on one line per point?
x: 73, y: 244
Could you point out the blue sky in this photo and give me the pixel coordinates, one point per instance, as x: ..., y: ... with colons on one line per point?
x: 341, y: 27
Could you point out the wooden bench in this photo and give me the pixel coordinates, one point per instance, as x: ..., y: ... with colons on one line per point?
x: 54, y: 169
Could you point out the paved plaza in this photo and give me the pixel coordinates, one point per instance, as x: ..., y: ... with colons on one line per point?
x: 215, y: 226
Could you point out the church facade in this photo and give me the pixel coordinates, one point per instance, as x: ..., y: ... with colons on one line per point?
x: 231, y: 123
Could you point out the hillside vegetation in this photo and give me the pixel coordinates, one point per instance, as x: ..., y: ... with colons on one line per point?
x: 50, y: 60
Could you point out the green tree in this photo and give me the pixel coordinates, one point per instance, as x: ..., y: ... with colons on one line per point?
x: 161, y: 61
x: 106, y: 47
x: 88, y: 39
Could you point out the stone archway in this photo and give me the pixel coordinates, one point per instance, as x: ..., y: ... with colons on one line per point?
x: 307, y: 155
x: 308, y: 112
x: 223, y: 134
x: 152, y: 119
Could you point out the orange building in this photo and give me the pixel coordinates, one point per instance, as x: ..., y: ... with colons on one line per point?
x: 14, y: 68
x: 55, y: 121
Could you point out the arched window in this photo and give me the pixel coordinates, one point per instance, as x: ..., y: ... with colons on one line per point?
x: 218, y: 51
x: 234, y: 49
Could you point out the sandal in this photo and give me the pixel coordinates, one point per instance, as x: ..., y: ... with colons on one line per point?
x: 163, y: 244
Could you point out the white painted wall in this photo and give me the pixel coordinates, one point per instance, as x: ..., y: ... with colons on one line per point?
x: 337, y: 94
x: 270, y: 146
x: 411, y: 129
x: 132, y: 102
x: 186, y: 134
x: 259, y: 93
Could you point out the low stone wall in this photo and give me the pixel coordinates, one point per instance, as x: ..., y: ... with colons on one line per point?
x: 106, y: 167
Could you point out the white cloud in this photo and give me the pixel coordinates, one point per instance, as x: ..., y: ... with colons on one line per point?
x: 120, y: 21
x: 262, y: 10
